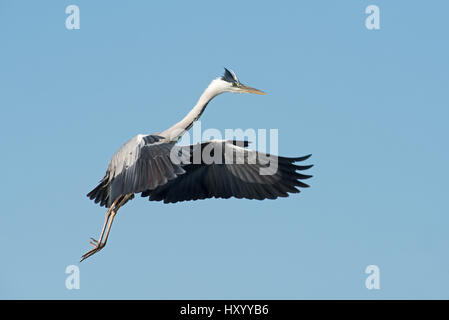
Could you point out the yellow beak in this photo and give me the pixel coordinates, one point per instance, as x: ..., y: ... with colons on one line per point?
x: 251, y: 90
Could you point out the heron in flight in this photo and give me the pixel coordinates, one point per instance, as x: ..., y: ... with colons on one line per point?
x: 156, y: 167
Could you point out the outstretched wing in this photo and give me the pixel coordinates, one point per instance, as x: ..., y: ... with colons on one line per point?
x: 232, y: 171
x: 142, y: 163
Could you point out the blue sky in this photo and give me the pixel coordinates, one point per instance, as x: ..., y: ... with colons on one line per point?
x: 371, y: 106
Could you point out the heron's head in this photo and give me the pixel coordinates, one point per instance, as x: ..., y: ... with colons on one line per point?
x: 230, y: 83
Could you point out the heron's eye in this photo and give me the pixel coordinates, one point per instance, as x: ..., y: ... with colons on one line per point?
x: 234, y: 84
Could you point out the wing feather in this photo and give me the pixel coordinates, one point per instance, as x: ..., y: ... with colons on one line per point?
x: 140, y: 165
x: 240, y: 179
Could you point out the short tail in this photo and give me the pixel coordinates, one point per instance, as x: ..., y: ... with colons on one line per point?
x: 101, y: 192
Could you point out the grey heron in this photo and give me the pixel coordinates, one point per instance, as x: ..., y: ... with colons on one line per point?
x: 156, y: 167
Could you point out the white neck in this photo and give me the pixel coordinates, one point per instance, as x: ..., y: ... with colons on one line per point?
x: 175, y: 132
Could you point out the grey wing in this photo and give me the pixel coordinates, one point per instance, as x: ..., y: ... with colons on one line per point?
x: 143, y: 163
x: 242, y: 173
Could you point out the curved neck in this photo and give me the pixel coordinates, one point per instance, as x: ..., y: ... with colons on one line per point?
x: 175, y: 132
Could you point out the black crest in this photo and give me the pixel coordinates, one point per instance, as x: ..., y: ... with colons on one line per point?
x: 230, y: 76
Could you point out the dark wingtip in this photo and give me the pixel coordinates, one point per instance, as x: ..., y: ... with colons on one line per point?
x: 302, y: 158
x: 300, y: 168
x: 303, y: 176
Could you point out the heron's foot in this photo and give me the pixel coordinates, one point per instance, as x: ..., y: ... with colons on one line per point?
x: 97, y: 247
x: 93, y: 242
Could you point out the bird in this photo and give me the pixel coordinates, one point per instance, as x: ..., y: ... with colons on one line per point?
x: 158, y: 168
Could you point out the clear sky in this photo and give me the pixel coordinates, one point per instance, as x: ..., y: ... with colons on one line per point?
x: 371, y: 106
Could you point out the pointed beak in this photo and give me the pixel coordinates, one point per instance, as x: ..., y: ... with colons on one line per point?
x: 251, y: 90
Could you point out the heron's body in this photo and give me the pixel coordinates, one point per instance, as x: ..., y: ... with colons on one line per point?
x: 156, y: 167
